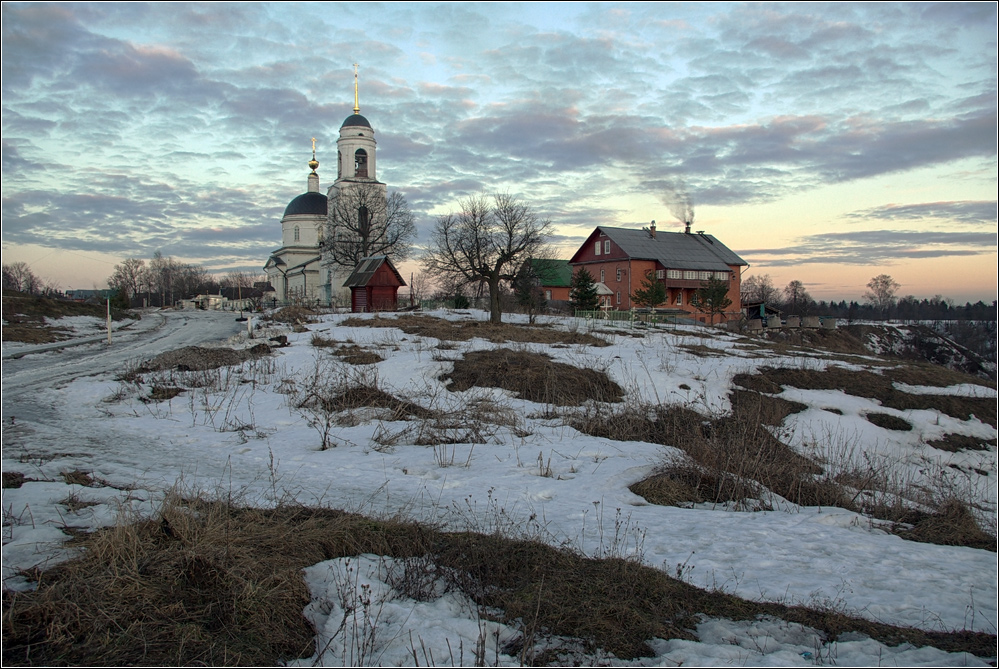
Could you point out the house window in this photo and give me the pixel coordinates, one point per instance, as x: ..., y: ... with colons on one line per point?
x: 619, y: 297
x: 297, y: 234
x: 679, y: 298
x: 660, y: 274
x: 602, y: 276
x: 704, y: 276
x: 674, y: 274
x: 548, y: 294
x: 619, y: 275
x: 723, y: 276
x: 688, y: 274
x: 607, y: 247
x: 596, y: 250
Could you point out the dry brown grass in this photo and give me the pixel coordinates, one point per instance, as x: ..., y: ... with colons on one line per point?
x: 13, y: 480
x: 25, y: 317
x: 292, y: 314
x: 160, y: 393
x: 889, y: 422
x: 875, y: 386
x: 961, y: 442
x: 532, y: 376
x: 445, y: 330
x: 197, y: 358
x: 212, y: 583
x: 735, y: 458
x: 349, y: 353
x: 736, y: 455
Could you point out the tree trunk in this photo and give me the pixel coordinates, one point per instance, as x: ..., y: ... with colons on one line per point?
x: 495, y: 312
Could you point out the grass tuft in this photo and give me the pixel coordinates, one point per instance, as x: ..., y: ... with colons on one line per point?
x: 532, y: 376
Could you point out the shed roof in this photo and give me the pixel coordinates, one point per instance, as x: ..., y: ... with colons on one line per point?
x: 366, y: 269
x: 555, y: 273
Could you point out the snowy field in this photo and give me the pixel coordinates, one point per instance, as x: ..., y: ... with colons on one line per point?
x: 532, y: 475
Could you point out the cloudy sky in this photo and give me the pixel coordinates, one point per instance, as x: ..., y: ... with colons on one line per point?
x: 824, y: 143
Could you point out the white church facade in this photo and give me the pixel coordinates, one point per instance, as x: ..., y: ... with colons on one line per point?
x: 296, y: 270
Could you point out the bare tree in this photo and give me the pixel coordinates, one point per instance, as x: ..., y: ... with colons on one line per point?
x: 488, y: 241
x: 363, y: 222
x: 161, y: 275
x: 127, y: 277
x: 796, y: 298
x: 882, y: 291
x: 760, y: 288
x: 421, y: 285
x: 18, y: 276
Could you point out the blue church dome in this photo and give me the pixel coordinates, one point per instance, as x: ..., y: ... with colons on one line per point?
x: 308, y: 203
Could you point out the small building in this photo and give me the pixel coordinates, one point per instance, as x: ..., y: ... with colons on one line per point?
x: 620, y: 258
x: 761, y: 311
x: 555, y: 277
x: 374, y: 285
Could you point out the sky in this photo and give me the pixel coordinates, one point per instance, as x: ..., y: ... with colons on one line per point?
x: 822, y: 143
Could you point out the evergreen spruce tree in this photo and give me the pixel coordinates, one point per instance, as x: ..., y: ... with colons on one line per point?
x: 652, y: 293
x: 583, y: 291
x: 712, y: 297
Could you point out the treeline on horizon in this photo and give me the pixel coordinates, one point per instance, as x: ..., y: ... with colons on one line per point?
x: 906, y: 309
x: 170, y: 280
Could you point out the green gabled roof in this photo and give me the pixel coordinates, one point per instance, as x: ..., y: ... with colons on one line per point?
x: 554, y: 273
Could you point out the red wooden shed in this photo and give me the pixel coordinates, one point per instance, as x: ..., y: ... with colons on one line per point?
x: 373, y: 285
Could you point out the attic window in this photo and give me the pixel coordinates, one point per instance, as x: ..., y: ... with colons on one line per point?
x: 606, y: 247
x: 596, y: 250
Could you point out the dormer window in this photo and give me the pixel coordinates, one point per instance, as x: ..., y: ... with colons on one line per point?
x: 360, y: 163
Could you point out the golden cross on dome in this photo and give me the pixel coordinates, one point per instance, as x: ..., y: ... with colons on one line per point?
x: 357, y: 109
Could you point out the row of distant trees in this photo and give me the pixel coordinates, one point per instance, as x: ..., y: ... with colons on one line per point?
x: 880, y: 302
x: 18, y: 276
x: 162, y: 281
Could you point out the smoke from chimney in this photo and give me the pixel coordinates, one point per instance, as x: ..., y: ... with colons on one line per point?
x: 679, y: 203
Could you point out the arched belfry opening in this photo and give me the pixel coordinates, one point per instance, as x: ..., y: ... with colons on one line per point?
x: 361, y: 163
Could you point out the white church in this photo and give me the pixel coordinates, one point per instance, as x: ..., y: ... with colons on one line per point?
x: 296, y: 270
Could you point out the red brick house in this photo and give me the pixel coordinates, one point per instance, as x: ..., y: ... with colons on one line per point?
x: 374, y: 285
x: 620, y: 258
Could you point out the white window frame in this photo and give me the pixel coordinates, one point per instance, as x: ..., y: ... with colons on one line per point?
x: 674, y: 274
x: 724, y: 276
x: 679, y: 299
x: 607, y: 247
x: 596, y: 251
x: 619, y: 274
x: 689, y: 275
x: 660, y: 274
x: 603, y: 276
